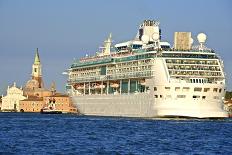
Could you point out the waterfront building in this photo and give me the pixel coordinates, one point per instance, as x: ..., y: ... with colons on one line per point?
x: 61, y: 102
x: 34, y: 96
x: 10, y: 102
x: 31, y: 104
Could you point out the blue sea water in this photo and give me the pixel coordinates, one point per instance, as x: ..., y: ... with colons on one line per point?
x: 31, y: 133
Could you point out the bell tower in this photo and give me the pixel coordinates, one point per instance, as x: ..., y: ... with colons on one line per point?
x: 37, y: 69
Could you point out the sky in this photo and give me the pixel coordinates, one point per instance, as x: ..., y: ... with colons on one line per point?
x: 68, y: 29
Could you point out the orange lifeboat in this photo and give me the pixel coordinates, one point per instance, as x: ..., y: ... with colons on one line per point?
x: 142, y: 82
x: 114, y: 85
x: 99, y: 86
x: 79, y: 86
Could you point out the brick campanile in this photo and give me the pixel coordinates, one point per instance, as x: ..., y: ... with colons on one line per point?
x: 37, y: 69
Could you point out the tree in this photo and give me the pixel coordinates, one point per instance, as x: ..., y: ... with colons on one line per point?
x: 228, y: 95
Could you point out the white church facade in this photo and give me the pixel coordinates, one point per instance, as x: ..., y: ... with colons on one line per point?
x: 10, y: 102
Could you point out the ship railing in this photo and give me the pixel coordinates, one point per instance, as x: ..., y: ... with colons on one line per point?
x: 145, y: 74
x: 130, y: 75
x: 115, y: 94
x: 93, y: 62
x: 196, y: 76
x: 192, y: 63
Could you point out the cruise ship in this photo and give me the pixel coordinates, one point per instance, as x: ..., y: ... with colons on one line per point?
x: 147, y: 77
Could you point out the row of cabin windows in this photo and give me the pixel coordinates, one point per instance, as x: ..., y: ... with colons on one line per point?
x: 129, y: 64
x: 85, y: 69
x: 195, y: 67
x: 147, y: 67
x: 196, y: 89
x: 198, y: 81
x: 199, y: 73
x: 169, y: 96
x: 85, y: 74
x: 178, y: 61
x: 184, y: 96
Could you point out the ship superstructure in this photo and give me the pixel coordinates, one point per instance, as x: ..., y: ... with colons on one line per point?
x: 146, y: 77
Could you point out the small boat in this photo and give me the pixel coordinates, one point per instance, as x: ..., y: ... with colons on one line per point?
x: 50, y: 110
x: 44, y: 111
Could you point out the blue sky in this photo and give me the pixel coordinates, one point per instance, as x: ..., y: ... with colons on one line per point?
x: 65, y: 29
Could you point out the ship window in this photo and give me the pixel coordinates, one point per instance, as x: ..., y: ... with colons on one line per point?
x: 161, y: 96
x: 193, y: 80
x: 186, y: 89
x: 220, y: 90
x: 215, y: 89
x: 203, y: 97
x: 196, y: 96
x: 206, y: 89
x: 156, y: 96
x: 177, y: 88
x: 181, y: 96
x: 155, y: 88
x: 197, y: 89
x: 215, y: 97
x: 167, y: 88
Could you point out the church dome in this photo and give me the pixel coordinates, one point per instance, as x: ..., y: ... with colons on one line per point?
x: 32, y: 85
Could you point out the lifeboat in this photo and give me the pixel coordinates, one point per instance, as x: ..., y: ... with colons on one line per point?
x: 114, y: 85
x: 142, y: 82
x: 92, y: 85
x: 80, y: 87
x: 99, y: 86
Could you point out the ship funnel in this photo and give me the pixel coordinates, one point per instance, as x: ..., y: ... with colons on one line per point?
x: 149, y: 31
x: 183, y: 40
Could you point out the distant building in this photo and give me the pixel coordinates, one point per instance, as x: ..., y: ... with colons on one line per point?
x: 31, y: 104
x: 61, y: 102
x: 10, y: 102
x: 39, y: 96
x: 35, y: 86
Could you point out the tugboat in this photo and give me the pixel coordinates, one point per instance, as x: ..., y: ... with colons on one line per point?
x: 50, y: 109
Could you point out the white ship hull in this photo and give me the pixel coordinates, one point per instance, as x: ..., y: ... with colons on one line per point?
x: 143, y: 105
